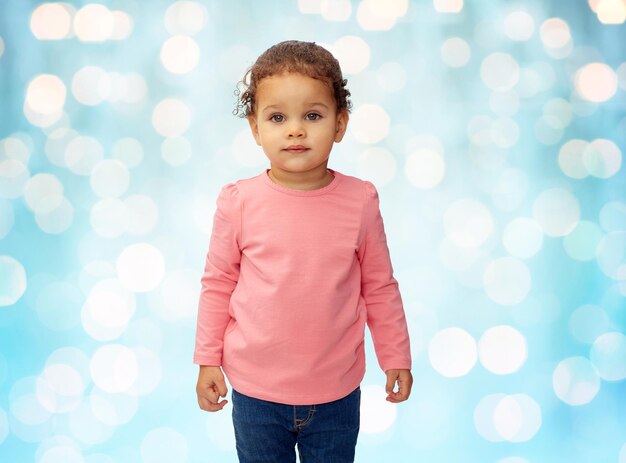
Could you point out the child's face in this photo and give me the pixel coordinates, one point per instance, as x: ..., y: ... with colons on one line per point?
x: 296, y: 110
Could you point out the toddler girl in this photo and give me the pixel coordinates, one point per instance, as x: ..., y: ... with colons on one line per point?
x: 297, y: 265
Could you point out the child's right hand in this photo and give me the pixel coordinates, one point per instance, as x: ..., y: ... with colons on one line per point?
x: 211, y: 386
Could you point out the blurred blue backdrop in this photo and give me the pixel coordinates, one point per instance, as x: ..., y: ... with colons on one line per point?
x: 494, y: 131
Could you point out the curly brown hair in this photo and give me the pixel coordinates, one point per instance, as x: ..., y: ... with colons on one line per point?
x: 305, y: 58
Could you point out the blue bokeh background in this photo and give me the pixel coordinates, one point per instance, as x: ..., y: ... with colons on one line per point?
x: 493, y: 130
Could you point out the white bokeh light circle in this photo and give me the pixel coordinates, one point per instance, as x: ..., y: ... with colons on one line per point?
x: 352, y: 52
x: 468, y: 223
x: 507, y: 280
x: 602, y: 158
x: 608, y: 355
x: 452, y: 352
x: 91, y: 85
x: 425, y: 168
x: 613, y: 216
x: 499, y: 71
x: 164, y: 445
x: 63, y: 453
x: 86, y: 427
x: 557, y: 211
x: 581, y: 244
x: 171, y: 117
x: 109, y: 178
x: 588, y: 322
x: 114, y: 368
x: 180, y: 54
x: 113, y: 409
x: 109, y: 217
x: 611, y: 255
x: 107, y: 310
x: 143, y: 214
x: 43, y: 193
x: 518, y: 25
x: 185, y: 17
x: 82, y: 154
x: 51, y: 21
x: 575, y: 381
x: 13, y: 281
x: 60, y: 388
x: 455, y: 52
x: 94, y: 22
x: 369, y: 123
x: 502, y: 350
x: 140, y: 267
x: 522, y: 237
x: 45, y: 94
x: 596, y: 82
x: 14, y: 176
x: 377, y: 414
x: 517, y: 417
x: 571, y: 158
x: 128, y: 150
x: 149, y: 373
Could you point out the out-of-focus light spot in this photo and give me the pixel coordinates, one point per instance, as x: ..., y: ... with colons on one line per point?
x: 519, y: 26
x: 63, y: 453
x: 547, y: 130
x: 582, y: 242
x: 575, y: 381
x: 509, y: 189
x: 621, y: 74
x: 377, y: 164
x: 374, y: 15
x: 14, y: 177
x: 60, y: 388
x: 560, y: 112
x: 171, y: 117
x: 82, y: 154
x: 23, y: 402
x: 185, y: 18
x: 425, y: 168
x: 109, y: 178
x: 593, y: 4
x: 86, y: 427
x: 114, y: 368
x: 339, y: 10
x: 45, y: 94
x: 176, y: 151
x: 613, y: 216
x: 504, y: 132
x: 448, y: 6
x: 91, y: 85
x: 479, y: 130
x: 455, y: 52
x: 571, y: 158
x: 556, y: 38
x: 109, y: 305
x: 113, y: 409
x: 12, y: 280
x: 484, y: 417
x: 502, y: 350
x: 149, y: 372
x: 596, y: 82
x: 4, y: 426
x: 499, y: 71
x: 352, y: 52
x: 588, y: 322
x: 611, y: 11
x: 43, y: 193
x: 180, y: 54
x: 391, y: 77
x: 608, y: 355
x: 310, y: 6
x: 52, y: 21
x: 504, y: 104
x: 55, y: 305
x: 468, y: 223
x: 7, y: 218
x: 163, y: 445
x: 611, y: 255
x: 369, y: 123
x: 557, y: 211
x: 128, y: 150
x: 452, y: 352
x: 122, y: 25
x: 602, y: 158
x: 140, y: 267
x: 143, y: 214
x: 94, y: 23
x: 109, y: 217
x: 522, y: 237
x: 517, y: 417
x: 506, y: 280
x: 1, y: 47
x: 377, y: 414
x: 177, y: 296
x: 56, y: 221
x: 538, y: 77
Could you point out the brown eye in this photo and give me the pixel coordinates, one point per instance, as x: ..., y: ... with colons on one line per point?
x: 273, y: 118
x: 314, y: 118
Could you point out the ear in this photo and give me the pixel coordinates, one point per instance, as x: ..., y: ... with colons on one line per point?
x: 342, y: 125
x: 255, y: 129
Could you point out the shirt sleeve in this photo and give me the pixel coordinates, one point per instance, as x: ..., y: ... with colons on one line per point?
x: 379, y: 288
x: 221, y: 273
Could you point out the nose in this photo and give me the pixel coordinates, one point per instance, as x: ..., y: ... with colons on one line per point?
x: 295, y: 129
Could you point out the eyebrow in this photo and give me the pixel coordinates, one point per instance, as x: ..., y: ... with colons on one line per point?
x: 316, y: 103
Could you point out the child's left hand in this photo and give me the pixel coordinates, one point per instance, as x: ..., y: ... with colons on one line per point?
x: 405, y: 381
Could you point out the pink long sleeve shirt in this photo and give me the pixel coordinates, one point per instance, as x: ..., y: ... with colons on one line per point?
x: 291, y: 279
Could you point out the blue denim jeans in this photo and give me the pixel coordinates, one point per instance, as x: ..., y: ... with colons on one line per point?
x: 267, y: 432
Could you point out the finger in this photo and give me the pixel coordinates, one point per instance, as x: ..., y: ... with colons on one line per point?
x: 209, y: 406
x: 391, y: 381
x: 221, y: 387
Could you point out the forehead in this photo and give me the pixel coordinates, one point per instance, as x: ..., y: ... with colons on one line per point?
x: 288, y: 87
